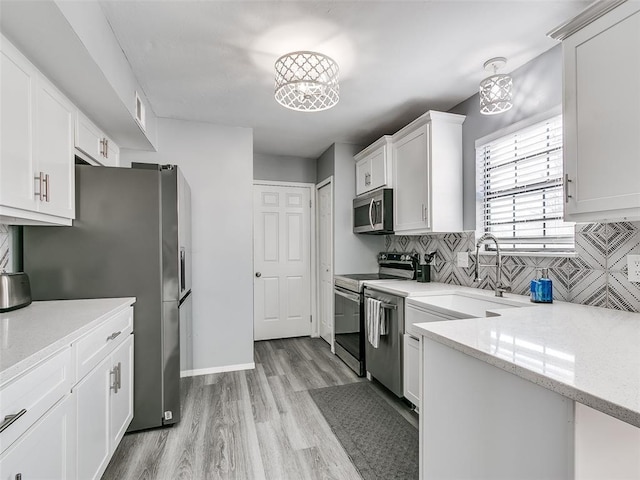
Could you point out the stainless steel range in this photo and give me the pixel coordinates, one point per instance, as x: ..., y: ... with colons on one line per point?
x: 349, y: 305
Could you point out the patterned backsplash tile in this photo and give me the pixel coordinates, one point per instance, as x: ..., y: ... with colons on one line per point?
x: 4, y: 247
x: 597, y: 275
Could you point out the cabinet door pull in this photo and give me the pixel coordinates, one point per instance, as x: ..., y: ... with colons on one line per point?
x: 567, y: 181
x: 114, y: 385
x: 106, y: 148
x: 10, y: 419
x: 113, y: 336
x: 18, y: 476
x: 40, y: 192
x: 47, y: 183
x: 119, y: 375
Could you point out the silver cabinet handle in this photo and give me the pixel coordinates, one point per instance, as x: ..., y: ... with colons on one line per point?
x: 102, y: 147
x: 258, y: 274
x: 40, y: 192
x: 18, y: 476
x: 370, y: 213
x: 567, y: 181
x: 119, y: 375
x: 47, y: 183
x: 10, y: 419
x: 114, y: 372
x: 113, y: 336
x: 106, y: 148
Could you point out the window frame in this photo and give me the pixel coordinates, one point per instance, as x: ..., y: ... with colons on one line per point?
x: 479, y: 187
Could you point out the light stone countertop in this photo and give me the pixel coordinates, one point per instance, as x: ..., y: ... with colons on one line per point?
x: 588, y: 354
x: 33, y: 333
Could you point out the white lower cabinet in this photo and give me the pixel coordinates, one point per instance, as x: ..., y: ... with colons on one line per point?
x: 63, y: 418
x: 605, y: 447
x: 412, y: 370
x: 121, y: 401
x: 105, y: 409
x: 92, y: 395
x: 46, y: 451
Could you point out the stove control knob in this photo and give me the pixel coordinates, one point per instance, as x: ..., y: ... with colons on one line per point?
x: 383, y: 257
x: 403, y: 257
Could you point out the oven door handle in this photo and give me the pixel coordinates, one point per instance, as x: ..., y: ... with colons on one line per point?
x: 351, y: 296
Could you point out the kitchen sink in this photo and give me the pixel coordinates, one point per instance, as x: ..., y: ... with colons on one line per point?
x: 466, y: 305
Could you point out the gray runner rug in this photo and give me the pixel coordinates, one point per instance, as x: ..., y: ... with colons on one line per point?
x: 380, y: 442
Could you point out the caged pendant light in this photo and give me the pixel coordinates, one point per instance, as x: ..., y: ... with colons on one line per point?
x: 306, y: 81
x: 496, y: 90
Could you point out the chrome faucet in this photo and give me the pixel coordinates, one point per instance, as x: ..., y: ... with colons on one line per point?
x: 500, y: 287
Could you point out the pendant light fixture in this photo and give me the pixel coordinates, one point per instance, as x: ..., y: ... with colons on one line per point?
x: 306, y: 81
x: 496, y: 90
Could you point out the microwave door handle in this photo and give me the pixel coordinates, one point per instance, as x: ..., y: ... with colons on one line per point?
x: 371, y: 213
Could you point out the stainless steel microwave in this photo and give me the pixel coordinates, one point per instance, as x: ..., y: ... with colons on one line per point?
x: 373, y: 213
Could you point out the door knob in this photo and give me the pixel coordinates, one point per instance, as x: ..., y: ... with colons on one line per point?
x: 258, y: 274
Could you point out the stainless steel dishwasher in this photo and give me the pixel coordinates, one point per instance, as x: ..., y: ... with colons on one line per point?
x: 385, y: 362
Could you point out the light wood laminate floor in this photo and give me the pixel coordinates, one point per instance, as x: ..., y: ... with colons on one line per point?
x: 252, y: 424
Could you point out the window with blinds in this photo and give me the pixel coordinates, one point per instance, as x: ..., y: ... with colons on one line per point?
x: 520, y: 184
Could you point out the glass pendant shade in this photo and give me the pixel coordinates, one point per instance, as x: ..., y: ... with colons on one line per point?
x: 496, y: 91
x: 306, y: 81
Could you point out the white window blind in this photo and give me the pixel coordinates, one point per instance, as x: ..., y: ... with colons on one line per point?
x: 520, y: 184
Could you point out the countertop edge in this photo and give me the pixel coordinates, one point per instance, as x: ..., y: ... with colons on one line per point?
x: 597, y: 403
x: 36, y: 358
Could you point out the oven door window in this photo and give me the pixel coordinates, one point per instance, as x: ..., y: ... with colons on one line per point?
x: 347, y: 322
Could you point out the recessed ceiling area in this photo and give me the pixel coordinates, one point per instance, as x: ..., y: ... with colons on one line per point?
x: 213, y: 61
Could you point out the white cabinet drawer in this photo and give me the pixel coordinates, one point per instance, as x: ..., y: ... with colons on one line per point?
x: 99, y: 343
x: 44, y: 451
x: 34, y: 392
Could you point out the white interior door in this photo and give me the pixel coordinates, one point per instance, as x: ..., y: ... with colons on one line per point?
x: 282, y: 250
x: 325, y: 261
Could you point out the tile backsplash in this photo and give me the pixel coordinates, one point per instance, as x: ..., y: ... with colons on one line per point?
x: 4, y: 247
x: 596, y: 275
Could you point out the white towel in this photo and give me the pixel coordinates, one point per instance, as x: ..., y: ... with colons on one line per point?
x: 374, y: 320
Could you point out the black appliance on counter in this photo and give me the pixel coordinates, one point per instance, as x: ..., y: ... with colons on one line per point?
x: 348, y: 296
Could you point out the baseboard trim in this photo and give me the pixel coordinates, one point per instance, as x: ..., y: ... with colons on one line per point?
x: 209, y: 371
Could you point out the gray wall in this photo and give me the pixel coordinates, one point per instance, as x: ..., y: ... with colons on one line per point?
x: 352, y: 253
x: 217, y: 162
x: 325, y: 164
x: 537, y: 88
x: 284, y: 169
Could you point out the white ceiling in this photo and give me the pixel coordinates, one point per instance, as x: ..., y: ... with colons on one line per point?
x: 213, y: 61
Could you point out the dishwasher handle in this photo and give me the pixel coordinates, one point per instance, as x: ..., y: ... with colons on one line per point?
x: 350, y: 296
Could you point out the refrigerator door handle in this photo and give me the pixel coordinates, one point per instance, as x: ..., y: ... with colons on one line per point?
x: 182, y: 269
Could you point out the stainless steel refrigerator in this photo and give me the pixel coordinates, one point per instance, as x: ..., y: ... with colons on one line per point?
x: 131, y: 237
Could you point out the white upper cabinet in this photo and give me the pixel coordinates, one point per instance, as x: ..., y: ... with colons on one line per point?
x: 54, y: 151
x: 17, y: 91
x: 602, y: 113
x: 93, y: 143
x: 427, y: 173
x: 373, y: 166
x: 37, y: 162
